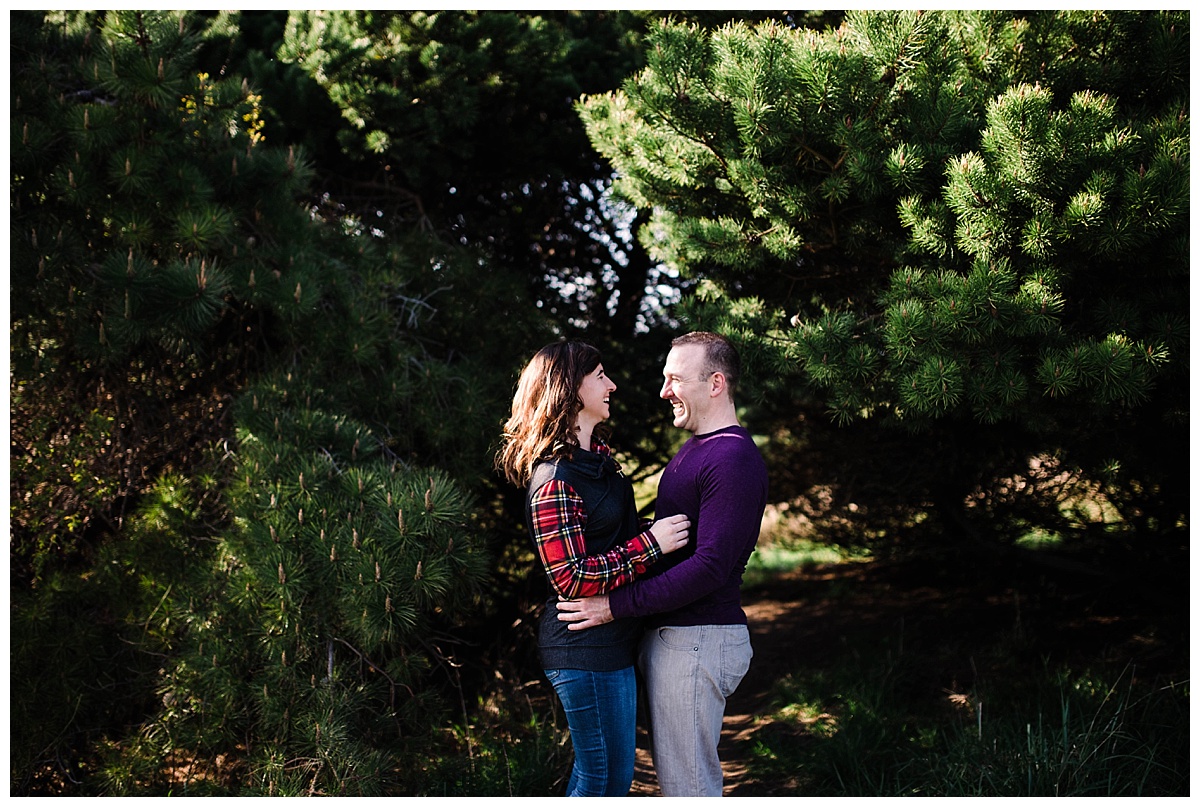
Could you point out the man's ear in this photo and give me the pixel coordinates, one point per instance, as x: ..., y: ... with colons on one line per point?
x: 717, y: 384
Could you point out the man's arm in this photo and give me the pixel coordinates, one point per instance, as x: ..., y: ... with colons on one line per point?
x: 696, y: 577
x: 692, y: 579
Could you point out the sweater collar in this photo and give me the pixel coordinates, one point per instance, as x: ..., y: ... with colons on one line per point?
x: 595, y: 463
x: 734, y: 428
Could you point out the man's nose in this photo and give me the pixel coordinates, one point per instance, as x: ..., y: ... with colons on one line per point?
x: 665, y: 392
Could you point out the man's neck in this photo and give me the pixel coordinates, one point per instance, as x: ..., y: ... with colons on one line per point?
x: 717, y: 421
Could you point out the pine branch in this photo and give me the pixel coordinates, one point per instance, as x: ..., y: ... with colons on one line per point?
x: 376, y: 668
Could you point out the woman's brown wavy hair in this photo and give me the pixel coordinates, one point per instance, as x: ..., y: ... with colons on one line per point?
x: 545, y: 408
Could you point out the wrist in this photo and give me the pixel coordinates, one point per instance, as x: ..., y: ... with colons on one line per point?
x: 650, y: 545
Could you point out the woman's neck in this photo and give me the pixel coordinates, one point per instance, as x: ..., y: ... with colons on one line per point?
x: 583, y: 431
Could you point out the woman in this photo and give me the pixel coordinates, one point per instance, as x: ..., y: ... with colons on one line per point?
x: 581, y: 514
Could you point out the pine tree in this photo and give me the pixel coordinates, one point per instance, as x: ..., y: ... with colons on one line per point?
x: 971, y: 224
x: 190, y: 315
x: 325, y: 599
x: 150, y: 222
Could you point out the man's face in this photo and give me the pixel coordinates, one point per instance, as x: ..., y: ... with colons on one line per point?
x: 686, y: 385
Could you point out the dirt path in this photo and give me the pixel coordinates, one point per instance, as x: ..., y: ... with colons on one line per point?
x: 798, y: 621
x: 804, y: 620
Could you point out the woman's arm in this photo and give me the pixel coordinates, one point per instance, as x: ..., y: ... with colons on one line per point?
x: 559, y: 518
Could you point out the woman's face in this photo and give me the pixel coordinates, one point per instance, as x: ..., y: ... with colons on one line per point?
x: 594, y: 392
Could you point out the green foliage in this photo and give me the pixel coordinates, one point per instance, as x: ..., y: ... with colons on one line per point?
x: 132, y: 117
x: 439, y: 112
x: 253, y: 400
x: 968, y: 224
x: 87, y: 648
x: 1063, y: 734
x: 61, y: 490
x: 182, y: 296
x: 771, y: 156
x: 309, y: 624
x: 316, y: 627
x: 505, y: 750
x: 152, y: 233
x: 417, y: 87
x: 315, y: 622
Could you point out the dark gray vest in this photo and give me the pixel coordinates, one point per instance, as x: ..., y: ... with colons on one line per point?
x: 611, y: 520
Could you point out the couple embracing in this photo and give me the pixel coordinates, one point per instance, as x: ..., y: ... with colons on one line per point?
x: 664, y: 596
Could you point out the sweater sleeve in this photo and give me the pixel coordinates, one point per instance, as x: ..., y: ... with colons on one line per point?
x: 728, y: 523
x: 559, y: 518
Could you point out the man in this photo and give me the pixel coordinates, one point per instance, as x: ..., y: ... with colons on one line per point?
x: 696, y: 649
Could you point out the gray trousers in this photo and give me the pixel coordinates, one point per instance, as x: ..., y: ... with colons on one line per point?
x: 688, y: 674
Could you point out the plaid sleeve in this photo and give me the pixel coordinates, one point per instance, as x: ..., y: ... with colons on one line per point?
x: 559, y: 519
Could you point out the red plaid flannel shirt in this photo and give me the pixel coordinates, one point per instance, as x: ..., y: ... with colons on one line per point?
x: 559, y: 519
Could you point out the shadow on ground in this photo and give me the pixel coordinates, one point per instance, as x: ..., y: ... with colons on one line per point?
x: 802, y: 620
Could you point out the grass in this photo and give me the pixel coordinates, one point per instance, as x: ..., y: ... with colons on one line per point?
x: 863, y: 728
x: 511, y: 746
x: 772, y: 560
x: 787, y: 544
x: 888, y: 717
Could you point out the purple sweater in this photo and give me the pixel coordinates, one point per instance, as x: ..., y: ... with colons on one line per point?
x: 719, y: 480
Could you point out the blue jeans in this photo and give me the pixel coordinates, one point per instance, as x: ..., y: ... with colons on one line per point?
x: 689, y: 672
x: 601, y: 712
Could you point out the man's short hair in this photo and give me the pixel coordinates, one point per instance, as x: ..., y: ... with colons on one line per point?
x: 719, y: 353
